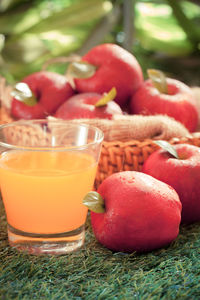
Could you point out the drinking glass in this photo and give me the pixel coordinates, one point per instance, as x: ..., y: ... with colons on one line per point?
x: 46, y: 169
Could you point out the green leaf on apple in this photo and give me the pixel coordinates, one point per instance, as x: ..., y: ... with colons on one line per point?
x: 81, y: 69
x: 159, y: 80
x: 94, y: 202
x: 23, y: 93
x: 167, y: 147
x: 107, y: 97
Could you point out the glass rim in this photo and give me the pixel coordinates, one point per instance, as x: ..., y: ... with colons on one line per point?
x: 50, y: 148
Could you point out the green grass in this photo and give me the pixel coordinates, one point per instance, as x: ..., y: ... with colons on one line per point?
x: 97, y: 273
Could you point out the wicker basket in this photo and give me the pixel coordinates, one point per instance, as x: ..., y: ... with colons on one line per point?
x: 123, y: 156
x: 127, y: 156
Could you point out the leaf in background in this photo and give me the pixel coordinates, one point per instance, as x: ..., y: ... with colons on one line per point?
x: 29, y: 13
x: 157, y: 30
x: 19, y: 21
x: 26, y: 49
x: 2, y: 41
x: 191, y: 30
x: 79, y: 13
x: 56, y: 38
x: 9, y: 4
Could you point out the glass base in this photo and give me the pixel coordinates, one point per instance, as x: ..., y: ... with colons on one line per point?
x: 52, y: 244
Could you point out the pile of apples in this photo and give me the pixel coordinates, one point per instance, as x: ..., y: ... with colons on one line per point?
x: 131, y: 211
x: 142, y: 211
x: 104, y: 68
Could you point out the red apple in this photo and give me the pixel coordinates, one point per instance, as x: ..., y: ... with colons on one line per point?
x: 139, y: 212
x: 182, y: 173
x: 116, y: 67
x: 177, y: 102
x: 49, y: 90
x: 83, y: 106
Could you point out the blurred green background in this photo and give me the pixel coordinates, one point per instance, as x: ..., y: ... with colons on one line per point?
x: 161, y: 34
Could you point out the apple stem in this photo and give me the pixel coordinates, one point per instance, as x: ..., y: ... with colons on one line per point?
x: 107, y: 97
x: 158, y: 79
x: 94, y: 202
x: 23, y: 93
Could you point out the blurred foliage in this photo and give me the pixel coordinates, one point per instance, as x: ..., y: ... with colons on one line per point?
x: 32, y: 32
x: 157, y: 30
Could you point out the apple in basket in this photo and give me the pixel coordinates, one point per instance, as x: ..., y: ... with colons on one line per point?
x: 132, y: 211
x: 161, y: 95
x: 39, y: 94
x: 105, y: 66
x: 179, y: 168
x: 89, y: 105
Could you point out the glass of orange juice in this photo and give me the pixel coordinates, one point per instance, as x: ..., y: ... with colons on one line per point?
x: 46, y: 169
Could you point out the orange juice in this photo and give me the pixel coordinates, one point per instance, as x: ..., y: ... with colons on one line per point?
x: 43, y: 191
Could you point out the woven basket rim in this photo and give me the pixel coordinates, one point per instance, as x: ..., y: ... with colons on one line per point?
x: 116, y: 143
